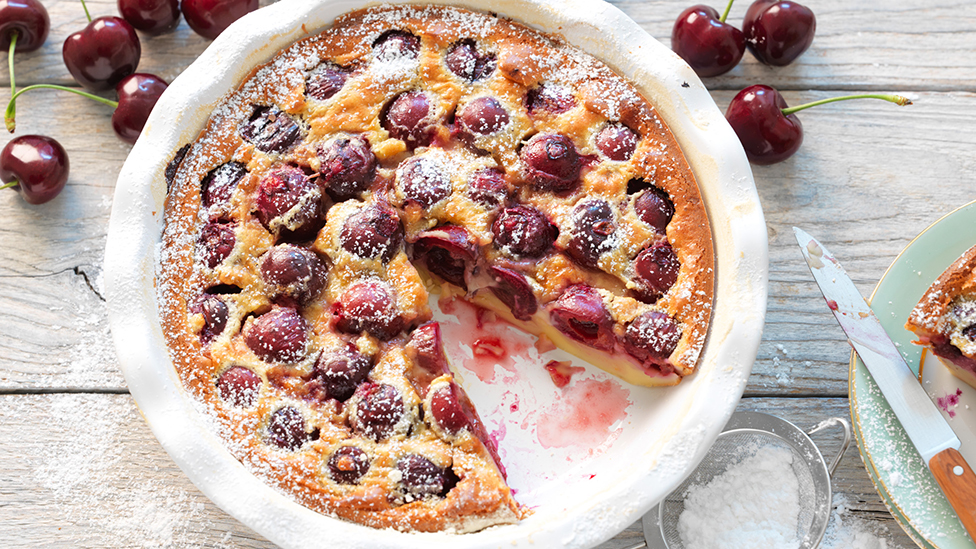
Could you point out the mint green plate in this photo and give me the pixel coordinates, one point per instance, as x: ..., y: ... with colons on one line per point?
x: 904, y: 482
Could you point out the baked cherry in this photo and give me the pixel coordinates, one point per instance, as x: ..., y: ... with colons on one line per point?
x: 617, y: 142
x: 466, y: 61
x: 340, y: 372
x: 428, y: 361
x: 287, y: 429
x: 293, y: 272
x: 652, y: 337
x: 421, y: 478
x: 270, y: 130
x: 551, y: 162
x: 348, y: 464
x: 378, y: 410
x: 778, y: 31
x: 152, y: 17
x: 24, y: 25
x: 239, y: 386
x: 593, y: 225
x: 217, y: 241
x: 219, y: 184
x: 368, y: 306
x: 348, y: 167
x: 580, y: 313
x: 548, y: 98
x: 488, y: 187
x: 447, y: 251
x: 654, y: 208
x: 36, y: 166
x: 410, y: 118
x: 372, y: 231
x: 482, y: 116
x: 280, y: 335
x: 138, y: 94
x: 766, y: 126
x: 286, y: 199
x: 513, y: 290
x: 215, y: 313
x: 447, y: 410
x: 325, y: 81
x: 103, y: 53
x: 394, y: 45
x: 423, y: 181
x: 209, y: 18
x: 706, y: 42
x: 657, y: 269
x: 523, y: 231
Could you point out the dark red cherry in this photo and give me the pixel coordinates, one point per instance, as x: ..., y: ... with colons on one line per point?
x: 270, y: 130
x: 593, y: 224
x: 325, y: 81
x: 447, y: 251
x: 652, y: 337
x: 706, y: 42
x: 348, y: 464
x: 36, y: 166
x: 523, y: 231
x: 551, y: 162
x: 209, y: 18
x: 239, y: 386
x: 28, y: 20
x: 421, y: 478
x: 372, y: 231
x: 423, y: 180
x: 488, y: 187
x: 219, y: 184
x: 278, y: 336
x: 617, y: 142
x: 287, y: 429
x: 378, y: 410
x: 483, y: 116
x: 286, y: 199
x: 393, y: 45
x: 654, y: 208
x: 293, y: 272
x: 447, y: 411
x: 428, y: 361
x: 340, y: 372
x: 215, y: 313
x: 657, y: 270
x: 778, y: 31
x: 409, y: 118
x: 152, y: 17
x: 550, y: 99
x: 348, y: 167
x: 103, y: 53
x: 580, y: 313
x: 767, y: 135
x: 138, y: 94
x: 217, y: 241
x: 513, y: 290
x: 368, y: 306
x: 464, y: 60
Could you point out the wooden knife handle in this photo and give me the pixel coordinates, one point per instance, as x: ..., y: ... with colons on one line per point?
x: 958, y: 483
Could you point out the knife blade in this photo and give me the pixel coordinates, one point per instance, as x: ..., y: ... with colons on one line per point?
x: 928, y: 430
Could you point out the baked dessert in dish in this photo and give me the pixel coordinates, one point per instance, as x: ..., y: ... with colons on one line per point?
x: 945, y: 318
x: 406, y: 151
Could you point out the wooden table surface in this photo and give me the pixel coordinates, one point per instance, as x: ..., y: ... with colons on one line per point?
x: 80, y: 468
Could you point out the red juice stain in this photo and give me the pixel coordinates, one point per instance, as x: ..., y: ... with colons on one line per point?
x: 492, y: 341
x: 832, y: 304
x: 562, y: 372
x: 583, y: 414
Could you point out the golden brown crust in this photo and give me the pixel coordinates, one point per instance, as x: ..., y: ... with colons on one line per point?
x: 293, y: 382
x: 948, y: 307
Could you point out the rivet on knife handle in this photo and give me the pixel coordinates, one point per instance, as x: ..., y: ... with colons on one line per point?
x: 958, y: 483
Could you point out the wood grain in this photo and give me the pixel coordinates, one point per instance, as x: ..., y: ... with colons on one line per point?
x: 958, y: 483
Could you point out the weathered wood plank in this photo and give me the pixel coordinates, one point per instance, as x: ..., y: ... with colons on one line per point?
x: 896, y: 45
x: 85, y: 471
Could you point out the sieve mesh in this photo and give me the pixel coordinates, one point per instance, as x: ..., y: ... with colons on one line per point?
x: 731, y: 448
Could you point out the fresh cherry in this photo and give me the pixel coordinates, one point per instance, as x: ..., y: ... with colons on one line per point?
x: 209, y: 18
x: 778, y: 31
x: 138, y: 94
x: 103, y: 53
x: 152, y: 17
x: 767, y: 127
x: 35, y: 165
x: 24, y: 25
x: 706, y: 42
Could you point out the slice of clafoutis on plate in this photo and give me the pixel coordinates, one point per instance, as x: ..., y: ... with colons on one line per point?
x: 407, y: 151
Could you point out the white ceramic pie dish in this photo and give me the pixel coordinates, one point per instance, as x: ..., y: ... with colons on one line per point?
x: 665, y: 432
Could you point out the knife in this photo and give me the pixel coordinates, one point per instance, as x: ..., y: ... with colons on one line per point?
x: 925, y: 426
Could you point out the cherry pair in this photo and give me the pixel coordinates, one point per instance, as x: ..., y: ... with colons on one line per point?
x: 208, y: 18
x: 776, y: 31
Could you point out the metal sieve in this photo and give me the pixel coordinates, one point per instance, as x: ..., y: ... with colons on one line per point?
x: 743, y: 436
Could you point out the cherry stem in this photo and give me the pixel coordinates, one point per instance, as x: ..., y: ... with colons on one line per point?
x: 10, y: 62
x: 9, y: 116
x: 88, y: 15
x: 728, y: 8
x: 11, y: 184
x: 896, y: 99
